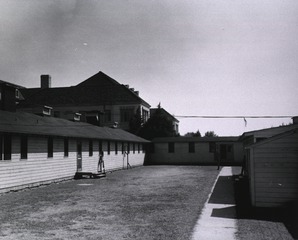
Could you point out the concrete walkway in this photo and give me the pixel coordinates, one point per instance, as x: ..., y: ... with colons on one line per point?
x: 210, y: 225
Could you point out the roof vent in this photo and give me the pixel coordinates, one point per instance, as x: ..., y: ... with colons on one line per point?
x: 136, y: 93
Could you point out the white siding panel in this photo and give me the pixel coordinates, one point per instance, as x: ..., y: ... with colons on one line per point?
x: 37, y: 168
x: 276, y: 171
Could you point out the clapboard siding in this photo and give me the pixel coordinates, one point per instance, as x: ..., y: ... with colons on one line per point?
x: 276, y: 168
x: 275, y: 171
x: 181, y: 154
x: 201, y: 154
x: 119, y: 161
x: 39, y: 169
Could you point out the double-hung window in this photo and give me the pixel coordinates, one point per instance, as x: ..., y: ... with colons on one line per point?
x: 24, y: 147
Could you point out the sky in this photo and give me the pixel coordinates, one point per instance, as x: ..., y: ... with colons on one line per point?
x: 195, y: 57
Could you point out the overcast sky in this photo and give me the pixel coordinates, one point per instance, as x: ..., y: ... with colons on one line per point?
x: 196, y: 57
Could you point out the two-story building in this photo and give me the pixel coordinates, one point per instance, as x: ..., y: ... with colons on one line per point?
x: 10, y: 96
x: 99, y: 100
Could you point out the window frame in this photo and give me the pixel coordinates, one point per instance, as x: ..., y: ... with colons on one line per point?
x: 66, y: 147
x: 116, y: 147
x: 191, y: 147
x: 171, y: 147
x: 109, y: 147
x: 212, y: 147
x: 24, y: 147
x: 50, y: 147
x: 90, y: 148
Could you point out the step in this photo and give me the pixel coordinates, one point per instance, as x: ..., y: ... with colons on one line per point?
x: 80, y: 175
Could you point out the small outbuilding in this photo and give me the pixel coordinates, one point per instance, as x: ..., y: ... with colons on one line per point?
x: 40, y: 149
x: 273, y: 169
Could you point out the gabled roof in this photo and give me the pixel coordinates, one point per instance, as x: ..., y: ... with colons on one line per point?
x: 11, y: 84
x: 275, y: 137
x: 269, y: 132
x: 99, y: 89
x: 26, y: 123
x: 195, y: 139
x: 164, y: 112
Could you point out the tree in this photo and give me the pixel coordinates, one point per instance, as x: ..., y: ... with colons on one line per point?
x: 210, y: 134
x: 157, y: 126
x: 193, y: 134
x: 135, y: 122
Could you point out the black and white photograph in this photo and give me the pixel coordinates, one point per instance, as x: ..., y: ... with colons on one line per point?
x: 148, y: 119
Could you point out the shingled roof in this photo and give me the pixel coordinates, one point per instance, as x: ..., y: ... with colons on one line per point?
x: 26, y: 123
x: 99, y: 89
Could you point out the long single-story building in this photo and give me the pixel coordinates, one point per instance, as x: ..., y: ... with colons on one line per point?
x: 196, y: 151
x: 41, y: 149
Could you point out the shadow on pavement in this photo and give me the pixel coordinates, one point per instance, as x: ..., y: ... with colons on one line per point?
x: 287, y: 214
x: 235, y: 190
x: 223, y: 192
x: 228, y: 212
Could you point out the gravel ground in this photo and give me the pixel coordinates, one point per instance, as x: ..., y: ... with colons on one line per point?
x: 154, y: 202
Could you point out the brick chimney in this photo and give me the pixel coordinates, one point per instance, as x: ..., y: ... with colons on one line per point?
x: 295, y: 120
x: 45, y: 81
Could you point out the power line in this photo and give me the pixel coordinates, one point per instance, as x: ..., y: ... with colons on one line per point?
x: 194, y: 116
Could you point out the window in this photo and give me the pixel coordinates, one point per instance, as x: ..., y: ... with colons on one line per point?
x: 171, y: 147
x: 5, y: 147
x: 139, y: 147
x: 229, y: 148
x: 47, y: 110
x: 17, y: 93
x: 24, y: 147
x: 50, y: 147
x: 126, y: 114
x: 66, y: 147
x: 116, y: 148
x: 107, y: 116
x: 122, y: 147
x: 128, y: 147
x: 90, y: 148
x: 109, y: 147
x: 77, y: 117
x: 191, y: 147
x: 133, y: 147
x: 212, y: 147
x: 1, y: 149
x: 145, y: 115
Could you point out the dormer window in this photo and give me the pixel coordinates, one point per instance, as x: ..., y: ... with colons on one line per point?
x: 77, y: 117
x: 47, y: 111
